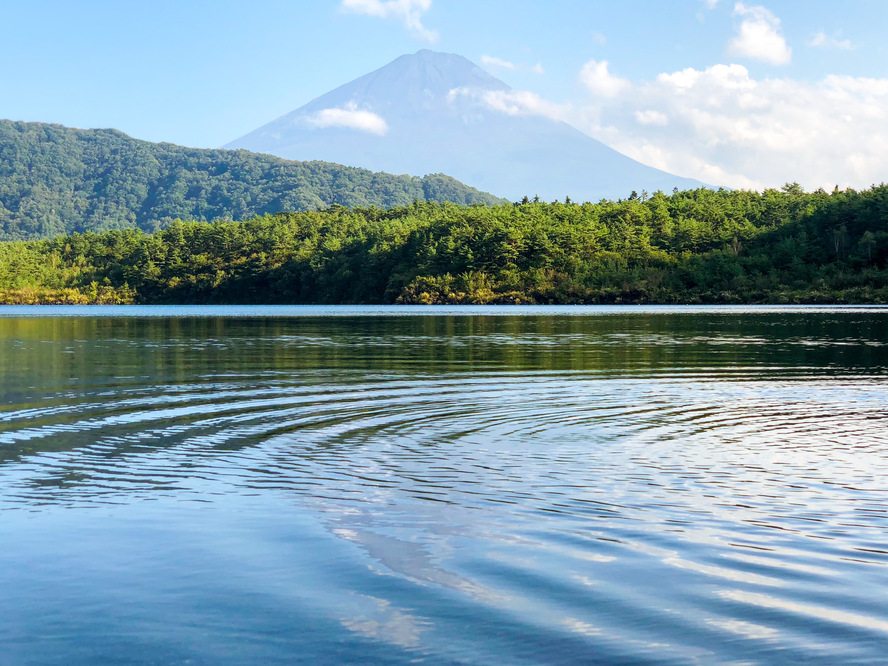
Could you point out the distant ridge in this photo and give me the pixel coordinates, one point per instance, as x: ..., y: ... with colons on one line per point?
x: 439, y: 112
x: 57, y: 180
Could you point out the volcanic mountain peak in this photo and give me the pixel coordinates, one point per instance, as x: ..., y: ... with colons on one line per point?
x: 423, y: 83
x: 431, y: 112
x: 426, y: 72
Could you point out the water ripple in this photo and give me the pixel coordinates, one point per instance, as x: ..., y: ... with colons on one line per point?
x: 711, y: 512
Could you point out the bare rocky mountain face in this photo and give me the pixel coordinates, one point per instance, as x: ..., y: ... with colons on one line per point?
x: 439, y: 113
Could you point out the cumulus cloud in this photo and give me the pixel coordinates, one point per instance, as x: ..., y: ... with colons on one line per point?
x: 492, y: 62
x: 822, y: 40
x: 408, y: 11
x: 651, y: 117
x: 514, y: 102
x: 523, y: 103
x: 725, y: 127
x: 758, y: 36
x: 596, y: 77
x: 350, y: 117
x: 720, y: 76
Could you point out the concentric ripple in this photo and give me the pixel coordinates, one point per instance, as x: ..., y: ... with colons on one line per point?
x: 633, y: 488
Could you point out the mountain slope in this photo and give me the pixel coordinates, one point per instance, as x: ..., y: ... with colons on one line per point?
x: 430, y: 112
x: 57, y: 180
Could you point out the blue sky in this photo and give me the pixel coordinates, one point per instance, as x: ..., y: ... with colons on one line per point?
x: 747, y: 94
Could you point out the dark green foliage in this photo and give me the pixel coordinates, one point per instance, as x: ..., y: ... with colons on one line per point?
x: 56, y: 180
x: 700, y: 246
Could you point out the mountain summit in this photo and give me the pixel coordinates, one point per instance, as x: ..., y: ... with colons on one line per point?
x: 440, y: 113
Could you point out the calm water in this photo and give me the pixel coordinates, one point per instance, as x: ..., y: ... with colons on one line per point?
x: 470, y: 486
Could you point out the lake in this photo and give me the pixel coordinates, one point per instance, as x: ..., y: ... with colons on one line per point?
x: 371, y: 485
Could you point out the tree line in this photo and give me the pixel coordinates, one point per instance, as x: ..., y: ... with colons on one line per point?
x: 698, y: 246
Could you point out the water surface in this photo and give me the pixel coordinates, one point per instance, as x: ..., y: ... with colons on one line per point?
x: 443, y: 485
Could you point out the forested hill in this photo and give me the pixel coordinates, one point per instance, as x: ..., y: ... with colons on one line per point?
x: 57, y: 180
x: 700, y: 246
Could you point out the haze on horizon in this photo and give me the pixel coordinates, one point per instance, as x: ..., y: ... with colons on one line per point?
x: 737, y: 93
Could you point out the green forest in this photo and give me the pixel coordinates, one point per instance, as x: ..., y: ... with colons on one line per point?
x: 699, y: 246
x: 58, y: 180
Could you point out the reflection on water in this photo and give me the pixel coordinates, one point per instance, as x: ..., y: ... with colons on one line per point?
x: 640, y: 486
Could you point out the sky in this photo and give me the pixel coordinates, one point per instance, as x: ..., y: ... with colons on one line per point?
x: 741, y: 94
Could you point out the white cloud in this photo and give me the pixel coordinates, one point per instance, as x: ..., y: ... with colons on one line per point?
x: 409, y: 11
x: 758, y: 36
x: 822, y: 40
x: 710, y: 4
x: 651, y: 117
x: 859, y: 85
x: 718, y: 76
x: 725, y: 127
x: 596, y: 77
x: 523, y: 103
x: 350, y: 117
x: 492, y: 62
x: 514, y: 102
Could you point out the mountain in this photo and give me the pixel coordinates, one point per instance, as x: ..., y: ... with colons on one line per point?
x: 57, y: 180
x: 438, y: 112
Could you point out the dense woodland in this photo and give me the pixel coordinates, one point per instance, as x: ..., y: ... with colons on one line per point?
x: 57, y: 180
x: 700, y: 246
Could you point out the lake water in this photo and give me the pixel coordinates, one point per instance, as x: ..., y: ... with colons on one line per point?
x: 443, y: 485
